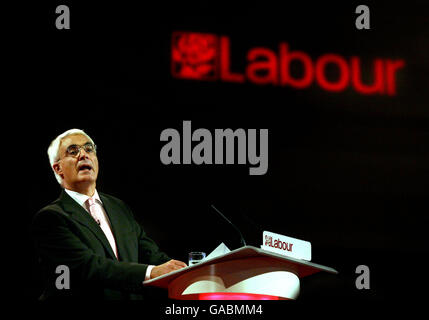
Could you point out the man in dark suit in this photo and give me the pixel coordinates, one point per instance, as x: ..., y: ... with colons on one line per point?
x: 93, y: 235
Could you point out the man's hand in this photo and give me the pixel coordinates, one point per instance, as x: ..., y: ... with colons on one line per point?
x: 167, y: 267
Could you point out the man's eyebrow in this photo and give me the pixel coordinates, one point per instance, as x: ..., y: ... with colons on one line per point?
x: 74, y: 144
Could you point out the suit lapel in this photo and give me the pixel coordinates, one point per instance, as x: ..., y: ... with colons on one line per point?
x: 80, y: 215
x: 113, y: 211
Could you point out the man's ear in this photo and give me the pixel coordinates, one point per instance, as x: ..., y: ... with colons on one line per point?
x: 57, y: 168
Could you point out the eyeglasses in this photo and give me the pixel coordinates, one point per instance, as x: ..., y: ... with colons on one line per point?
x: 74, y: 149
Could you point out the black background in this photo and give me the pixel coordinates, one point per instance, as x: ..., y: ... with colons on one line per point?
x: 347, y: 172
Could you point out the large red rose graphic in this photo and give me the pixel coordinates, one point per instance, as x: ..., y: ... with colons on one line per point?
x: 194, y: 55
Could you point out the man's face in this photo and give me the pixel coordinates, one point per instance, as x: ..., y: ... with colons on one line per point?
x: 79, y: 169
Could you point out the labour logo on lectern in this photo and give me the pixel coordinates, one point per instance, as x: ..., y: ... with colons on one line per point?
x: 287, y: 246
x: 194, y: 55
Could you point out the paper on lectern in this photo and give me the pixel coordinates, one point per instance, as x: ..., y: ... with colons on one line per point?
x: 220, y: 250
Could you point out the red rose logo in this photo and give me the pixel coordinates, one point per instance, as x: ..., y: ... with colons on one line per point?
x: 194, y: 55
x: 268, y: 240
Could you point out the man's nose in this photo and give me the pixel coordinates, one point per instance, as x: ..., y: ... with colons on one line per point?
x: 82, y: 154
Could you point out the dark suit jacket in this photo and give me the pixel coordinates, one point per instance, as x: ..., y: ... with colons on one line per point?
x: 66, y: 234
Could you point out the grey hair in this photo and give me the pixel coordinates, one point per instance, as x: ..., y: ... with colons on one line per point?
x: 54, y: 148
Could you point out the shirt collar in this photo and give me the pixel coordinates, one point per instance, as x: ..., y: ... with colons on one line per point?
x: 82, y: 198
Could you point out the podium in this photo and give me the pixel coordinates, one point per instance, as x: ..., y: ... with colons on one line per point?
x: 247, y: 273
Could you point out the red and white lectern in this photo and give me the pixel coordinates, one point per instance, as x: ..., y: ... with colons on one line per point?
x: 247, y: 273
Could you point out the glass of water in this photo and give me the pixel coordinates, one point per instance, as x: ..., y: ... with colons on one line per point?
x: 195, y: 257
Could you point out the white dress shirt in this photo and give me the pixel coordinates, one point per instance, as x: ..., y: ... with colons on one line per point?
x: 81, y: 200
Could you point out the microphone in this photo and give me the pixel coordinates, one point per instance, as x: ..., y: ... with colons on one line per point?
x: 243, y: 242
